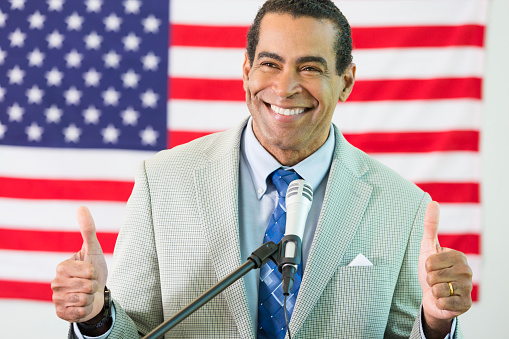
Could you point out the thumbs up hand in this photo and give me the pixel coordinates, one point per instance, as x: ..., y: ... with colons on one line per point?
x: 445, y: 279
x: 78, y: 288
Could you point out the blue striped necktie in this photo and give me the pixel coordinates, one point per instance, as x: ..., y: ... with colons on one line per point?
x: 271, y: 317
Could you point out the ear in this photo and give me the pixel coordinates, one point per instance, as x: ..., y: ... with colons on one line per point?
x: 246, y: 68
x: 347, y: 82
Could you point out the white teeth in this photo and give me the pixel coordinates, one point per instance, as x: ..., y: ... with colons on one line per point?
x: 287, y: 111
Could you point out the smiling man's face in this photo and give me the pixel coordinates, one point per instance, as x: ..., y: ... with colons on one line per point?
x: 292, y: 87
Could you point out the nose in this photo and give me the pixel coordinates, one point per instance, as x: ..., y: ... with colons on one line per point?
x: 287, y: 83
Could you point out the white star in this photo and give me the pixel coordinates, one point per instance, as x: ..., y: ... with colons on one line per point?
x: 112, y: 59
x: 36, y: 20
x: 54, y: 77
x: 34, y: 95
x: 35, y: 58
x: 3, y: 54
x: 72, y: 96
x: 55, y: 39
x: 130, y: 79
x: 149, y: 99
x: 72, y: 133
x: 15, y: 112
x: 93, y: 40
x: 17, y: 38
x: 16, y: 75
x: 92, y: 78
x: 74, y: 22
x: 91, y: 115
x: 150, y: 62
x: 131, y: 42
x: 55, y: 5
x: 17, y: 4
x: 53, y: 114
x: 94, y: 6
x: 2, y: 93
x: 130, y: 116
x: 3, y: 18
x: 3, y: 129
x: 111, y: 97
x: 73, y: 59
x: 110, y: 134
x: 132, y: 6
x: 151, y: 24
x: 112, y: 22
x: 149, y: 136
x: 34, y: 132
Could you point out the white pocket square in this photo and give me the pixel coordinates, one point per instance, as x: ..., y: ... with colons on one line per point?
x: 360, y: 260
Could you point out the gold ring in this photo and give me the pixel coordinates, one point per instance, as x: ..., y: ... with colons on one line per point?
x: 452, y: 290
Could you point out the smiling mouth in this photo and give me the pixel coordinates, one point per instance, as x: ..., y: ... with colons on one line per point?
x: 287, y: 111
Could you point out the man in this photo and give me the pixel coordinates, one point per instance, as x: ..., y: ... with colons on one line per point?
x: 197, y: 211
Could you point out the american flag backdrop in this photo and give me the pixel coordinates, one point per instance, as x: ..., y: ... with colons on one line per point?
x: 90, y: 88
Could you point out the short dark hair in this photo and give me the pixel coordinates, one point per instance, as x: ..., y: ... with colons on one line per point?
x: 318, y: 9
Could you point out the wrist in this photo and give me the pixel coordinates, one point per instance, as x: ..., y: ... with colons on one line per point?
x: 100, y: 323
x: 435, y: 327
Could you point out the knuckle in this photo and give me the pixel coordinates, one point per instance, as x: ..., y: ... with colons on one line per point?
x: 436, y: 291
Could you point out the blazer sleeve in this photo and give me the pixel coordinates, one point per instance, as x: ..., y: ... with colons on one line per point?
x: 134, y: 280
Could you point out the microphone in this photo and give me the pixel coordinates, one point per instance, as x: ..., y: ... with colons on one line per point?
x: 299, y: 197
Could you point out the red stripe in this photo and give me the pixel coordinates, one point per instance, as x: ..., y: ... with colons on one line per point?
x: 43, y: 292
x: 100, y: 190
x: 51, y: 241
x: 367, y: 90
x: 363, y: 37
x: 415, y: 142
x: 475, y: 293
x: 25, y: 290
x: 382, y: 142
x: 466, y: 243
x: 445, y: 192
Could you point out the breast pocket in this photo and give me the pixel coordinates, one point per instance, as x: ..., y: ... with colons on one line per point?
x: 355, y: 303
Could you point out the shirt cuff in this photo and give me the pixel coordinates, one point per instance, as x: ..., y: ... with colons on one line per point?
x: 78, y: 334
x: 450, y: 335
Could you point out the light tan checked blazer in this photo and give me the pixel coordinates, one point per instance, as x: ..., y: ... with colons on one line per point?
x: 181, y: 236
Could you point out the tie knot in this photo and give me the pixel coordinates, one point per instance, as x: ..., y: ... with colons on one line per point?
x: 281, y: 178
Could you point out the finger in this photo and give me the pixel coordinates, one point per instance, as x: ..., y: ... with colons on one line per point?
x: 74, y: 299
x: 91, y: 245
x: 76, y: 269
x: 454, y: 304
x: 446, y: 258
x: 443, y: 290
x: 74, y: 313
x: 431, y: 220
x: 74, y: 285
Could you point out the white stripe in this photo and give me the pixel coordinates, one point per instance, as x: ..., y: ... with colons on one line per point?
x: 475, y: 263
x: 460, y: 218
x: 359, y: 13
x: 33, y: 266
x: 40, y: 266
x: 354, y: 117
x: 454, y: 167
x: 372, y: 64
x: 51, y: 163
x: 58, y: 215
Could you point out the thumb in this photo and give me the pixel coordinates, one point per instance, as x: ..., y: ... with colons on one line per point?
x: 91, y: 245
x: 431, y: 220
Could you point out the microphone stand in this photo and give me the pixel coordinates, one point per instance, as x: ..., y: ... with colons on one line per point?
x: 264, y: 253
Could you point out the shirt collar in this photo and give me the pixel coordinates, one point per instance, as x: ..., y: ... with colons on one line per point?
x: 261, y: 163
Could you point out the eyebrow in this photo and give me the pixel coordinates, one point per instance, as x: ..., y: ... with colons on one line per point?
x: 300, y: 60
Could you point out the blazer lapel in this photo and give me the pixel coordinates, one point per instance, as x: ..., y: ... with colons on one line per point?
x: 344, y: 204
x: 217, y: 199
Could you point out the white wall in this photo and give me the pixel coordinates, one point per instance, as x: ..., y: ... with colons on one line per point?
x: 489, y: 318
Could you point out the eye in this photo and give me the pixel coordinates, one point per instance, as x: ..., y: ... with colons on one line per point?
x: 269, y: 64
x: 310, y: 69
